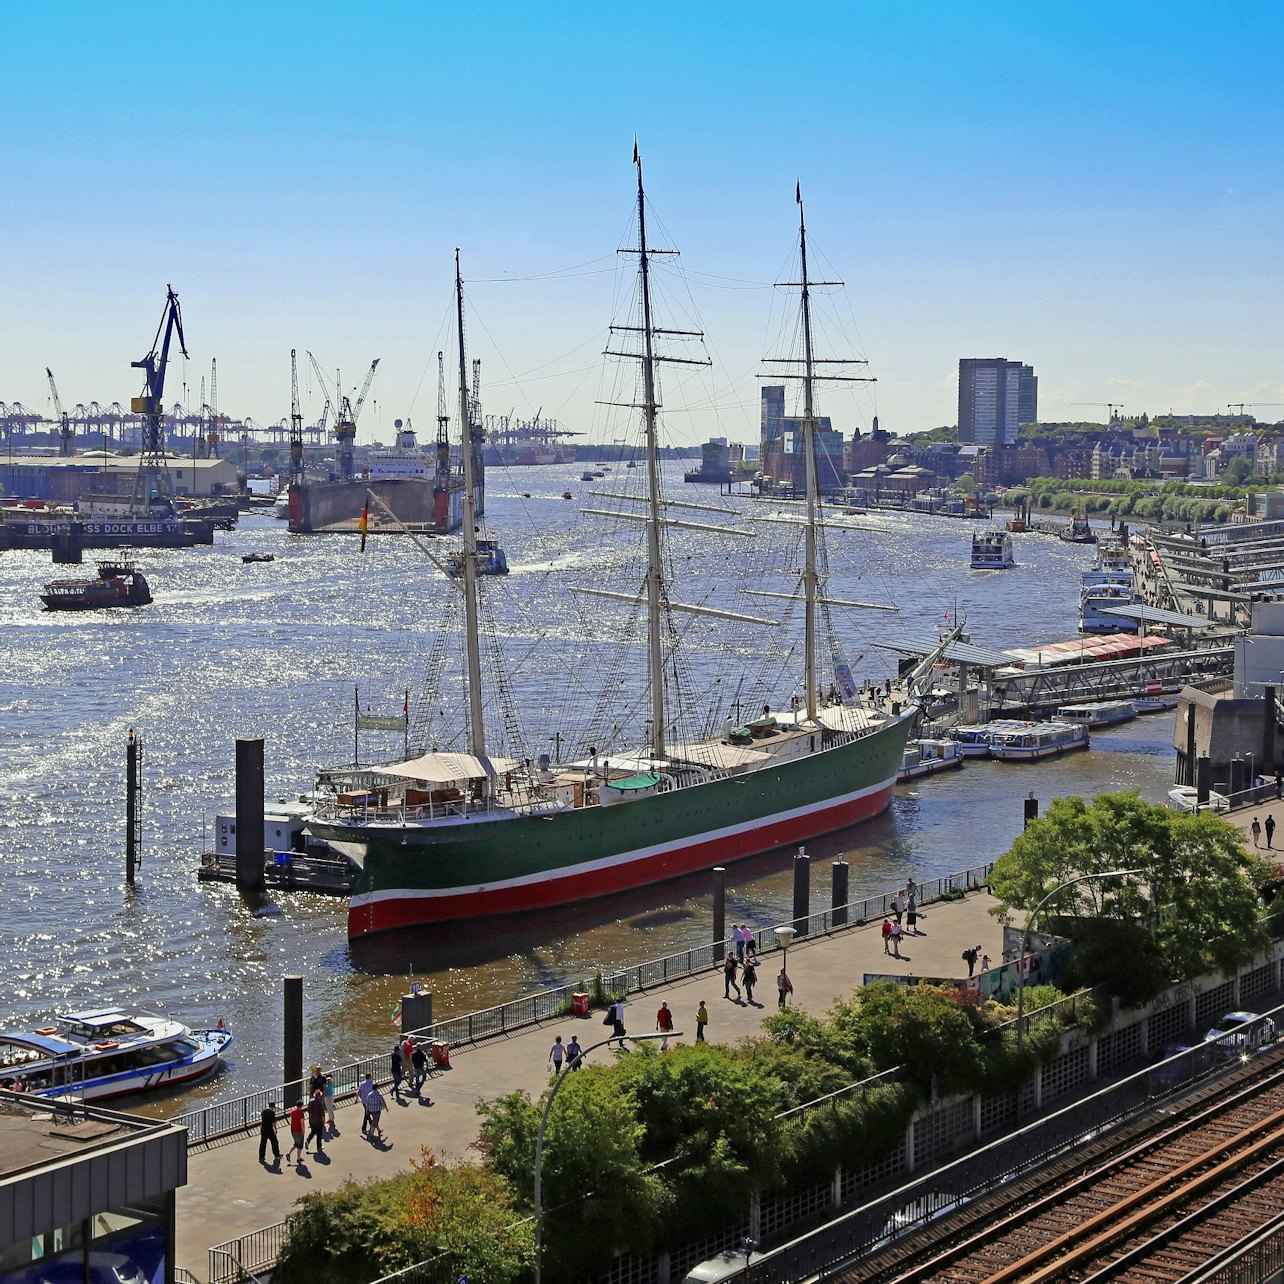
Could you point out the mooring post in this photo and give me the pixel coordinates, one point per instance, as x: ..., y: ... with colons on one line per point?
x: 132, y: 810
x: 1203, y: 776
x: 802, y: 891
x: 719, y: 908
x: 838, y: 894
x: 292, y: 1025
x: 416, y: 1009
x: 1031, y: 809
x: 249, y: 816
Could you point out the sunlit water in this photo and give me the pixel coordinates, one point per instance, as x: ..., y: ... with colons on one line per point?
x: 275, y: 649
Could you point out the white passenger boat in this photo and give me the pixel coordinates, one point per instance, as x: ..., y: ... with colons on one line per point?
x: 107, y: 1053
x: 1096, y: 599
x: 992, y: 550
x: 1098, y: 713
x: 974, y: 738
x: 1036, y: 740
x: 924, y: 757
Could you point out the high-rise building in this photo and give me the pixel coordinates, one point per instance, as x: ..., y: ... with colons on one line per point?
x: 784, y: 457
x: 996, y: 396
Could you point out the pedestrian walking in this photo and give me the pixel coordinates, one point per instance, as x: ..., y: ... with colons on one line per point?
x: 398, y: 1070
x: 896, y: 907
x: 784, y: 988
x: 896, y: 940
x: 1279, y: 784
x: 298, y: 1123
x: 617, y: 1021
x: 911, y: 914
x: 316, y: 1081
x: 985, y: 963
x: 316, y: 1118
x: 911, y: 887
x: 969, y: 957
x: 1256, y: 830
x: 738, y: 935
x: 729, y: 976
x: 1270, y: 829
x: 887, y: 934
x: 376, y: 1105
x: 702, y: 1019
x: 749, y: 978
x: 574, y: 1053
x: 664, y: 1023
x: 267, y: 1134
x: 419, y: 1064
x: 363, y: 1096
x: 556, y: 1055
x: 328, y: 1093
x: 407, y: 1053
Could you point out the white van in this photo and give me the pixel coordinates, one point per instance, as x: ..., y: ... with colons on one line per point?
x: 725, y: 1266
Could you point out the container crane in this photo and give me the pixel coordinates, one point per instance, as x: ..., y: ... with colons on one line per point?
x: 1114, y: 407
x: 296, y: 424
x: 153, y: 484
x: 346, y: 414
x: 65, y: 433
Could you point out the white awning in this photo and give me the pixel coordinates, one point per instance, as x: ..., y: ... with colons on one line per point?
x: 442, y: 768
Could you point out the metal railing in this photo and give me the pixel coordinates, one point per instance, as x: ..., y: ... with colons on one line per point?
x: 247, y: 1256
x: 242, y: 1113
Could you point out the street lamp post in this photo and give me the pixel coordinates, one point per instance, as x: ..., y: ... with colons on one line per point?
x: 543, y: 1122
x: 1029, y: 927
x: 785, y: 936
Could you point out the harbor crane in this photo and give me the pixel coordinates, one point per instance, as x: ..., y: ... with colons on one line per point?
x: 153, y: 484
x: 1114, y: 407
x: 296, y: 424
x: 64, y: 420
x: 1241, y: 406
x: 346, y: 413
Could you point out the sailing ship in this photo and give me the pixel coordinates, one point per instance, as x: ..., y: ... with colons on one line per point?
x: 460, y: 835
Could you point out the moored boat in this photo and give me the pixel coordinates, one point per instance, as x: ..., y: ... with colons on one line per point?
x: 491, y: 559
x: 447, y: 836
x: 992, y: 550
x: 1095, y: 603
x: 118, y: 583
x: 1079, y: 531
x: 974, y: 738
x: 1098, y: 713
x: 107, y: 1052
x: 1035, y: 740
x: 926, y: 757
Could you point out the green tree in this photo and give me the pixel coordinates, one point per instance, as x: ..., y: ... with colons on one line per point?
x: 966, y: 482
x: 1194, y: 904
x: 1238, y: 471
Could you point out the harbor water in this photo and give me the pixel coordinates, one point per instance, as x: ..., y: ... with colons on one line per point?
x: 275, y: 649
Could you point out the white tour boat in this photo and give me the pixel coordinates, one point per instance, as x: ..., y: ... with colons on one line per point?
x: 1037, y: 740
x: 1098, y: 713
x: 924, y: 757
x: 992, y: 550
x: 108, y: 1052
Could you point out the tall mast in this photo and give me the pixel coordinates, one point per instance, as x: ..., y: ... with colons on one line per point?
x: 653, y: 565
x: 809, y: 443
x: 476, y: 727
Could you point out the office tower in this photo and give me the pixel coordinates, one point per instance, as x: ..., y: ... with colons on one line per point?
x: 996, y: 396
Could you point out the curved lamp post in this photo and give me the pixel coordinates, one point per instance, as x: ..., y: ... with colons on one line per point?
x: 1029, y: 927
x: 785, y: 935
x: 543, y: 1122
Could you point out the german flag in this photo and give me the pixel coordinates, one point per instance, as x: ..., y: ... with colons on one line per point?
x: 364, y: 524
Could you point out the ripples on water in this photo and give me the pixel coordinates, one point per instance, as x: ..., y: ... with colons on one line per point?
x: 274, y: 649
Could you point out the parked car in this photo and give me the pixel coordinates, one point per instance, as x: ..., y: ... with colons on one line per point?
x: 1170, y: 1073
x: 104, y: 1268
x: 1239, y: 1034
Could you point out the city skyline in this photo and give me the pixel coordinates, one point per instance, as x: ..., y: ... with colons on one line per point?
x: 1098, y: 191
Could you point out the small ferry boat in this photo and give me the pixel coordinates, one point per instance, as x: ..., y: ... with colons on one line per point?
x: 992, y: 550
x: 108, y: 1052
x: 1035, y: 740
x: 491, y: 559
x: 258, y: 557
x: 1097, y: 599
x: 926, y: 757
x: 1079, y: 531
x: 587, y: 475
x: 1098, y: 713
x: 118, y: 583
x: 1155, y: 699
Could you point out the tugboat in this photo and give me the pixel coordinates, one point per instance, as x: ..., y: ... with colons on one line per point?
x: 119, y: 583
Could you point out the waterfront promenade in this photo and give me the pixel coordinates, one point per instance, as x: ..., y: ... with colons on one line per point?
x: 228, y: 1194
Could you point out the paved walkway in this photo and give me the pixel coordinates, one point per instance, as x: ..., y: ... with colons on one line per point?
x: 229, y: 1194
x: 1243, y: 817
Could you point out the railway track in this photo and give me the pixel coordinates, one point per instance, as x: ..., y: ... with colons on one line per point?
x: 1163, y: 1204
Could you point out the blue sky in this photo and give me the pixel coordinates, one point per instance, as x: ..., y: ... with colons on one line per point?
x: 1094, y: 189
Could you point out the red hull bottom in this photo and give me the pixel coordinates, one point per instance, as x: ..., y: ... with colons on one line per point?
x: 388, y: 911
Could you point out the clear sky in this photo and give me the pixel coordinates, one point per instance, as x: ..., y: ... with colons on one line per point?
x: 1093, y: 188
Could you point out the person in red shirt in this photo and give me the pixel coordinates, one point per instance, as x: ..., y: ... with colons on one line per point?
x: 298, y: 1128
x: 664, y: 1023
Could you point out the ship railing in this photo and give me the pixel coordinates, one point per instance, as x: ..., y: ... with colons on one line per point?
x: 241, y: 1114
